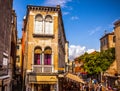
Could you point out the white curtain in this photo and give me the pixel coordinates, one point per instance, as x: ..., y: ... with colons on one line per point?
x: 38, y: 27
x: 48, y: 28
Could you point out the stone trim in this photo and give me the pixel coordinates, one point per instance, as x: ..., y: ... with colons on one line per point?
x: 44, y: 35
x: 43, y: 8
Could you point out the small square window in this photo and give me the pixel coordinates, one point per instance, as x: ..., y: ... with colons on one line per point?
x: 17, y: 58
x: 17, y: 47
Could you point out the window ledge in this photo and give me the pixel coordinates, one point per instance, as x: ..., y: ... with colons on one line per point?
x: 44, y: 35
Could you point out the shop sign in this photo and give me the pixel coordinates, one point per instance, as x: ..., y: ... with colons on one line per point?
x: 46, y: 78
x: 42, y: 78
x: 61, y: 69
x: 5, y: 61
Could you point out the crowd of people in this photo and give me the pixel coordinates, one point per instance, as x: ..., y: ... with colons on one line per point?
x: 91, y: 87
x: 94, y: 85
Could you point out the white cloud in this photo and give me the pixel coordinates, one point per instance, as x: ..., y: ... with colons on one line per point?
x: 62, y: 3
x: 74, y: 18
x: 116, y: 20
x: 65, y: 13
x: 77, y: 50
x: 112, y: 24
x: 90, y: 50
x: 95, y: 30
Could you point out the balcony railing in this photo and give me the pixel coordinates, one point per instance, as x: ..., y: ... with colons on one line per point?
x: 42, y: 68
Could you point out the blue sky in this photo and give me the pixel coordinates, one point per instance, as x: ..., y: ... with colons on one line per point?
x: 84, y: 20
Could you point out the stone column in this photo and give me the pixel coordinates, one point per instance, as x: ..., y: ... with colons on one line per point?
x: 117, y: 44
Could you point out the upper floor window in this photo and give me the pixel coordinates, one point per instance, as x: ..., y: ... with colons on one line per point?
x: 48, y: 25
x: 17, y: 46
x: 47, y: 56
x: 114, y: 39
x: 38, y: 24
x: 37, y: 56
x: 17, y: 58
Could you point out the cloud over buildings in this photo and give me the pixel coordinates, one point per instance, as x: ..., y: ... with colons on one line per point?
x: 77, y: 50
x: 62, y: 3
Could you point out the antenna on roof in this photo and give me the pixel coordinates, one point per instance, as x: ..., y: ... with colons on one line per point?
x: 105, y: 32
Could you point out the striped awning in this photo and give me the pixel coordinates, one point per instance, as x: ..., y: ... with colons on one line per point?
x: 75, y: 78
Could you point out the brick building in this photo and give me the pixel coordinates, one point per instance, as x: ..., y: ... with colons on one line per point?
x: 110, y: 40
x: 107, y: 41
x: 19, y: 57
x: 8, y: 35
x: 117, y: 44
x: 44, y: 48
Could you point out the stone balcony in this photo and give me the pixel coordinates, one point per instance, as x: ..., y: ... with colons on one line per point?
x: 42, y: 68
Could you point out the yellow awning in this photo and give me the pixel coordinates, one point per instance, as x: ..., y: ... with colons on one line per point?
x: 46, y: 78
x: 43, y: 79
x: 75, y: 78
x: 43, y: 82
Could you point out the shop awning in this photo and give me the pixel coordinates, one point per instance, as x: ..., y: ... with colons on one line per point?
x: 112, y: 70
x: 43, y: 79
x: 75, y: 78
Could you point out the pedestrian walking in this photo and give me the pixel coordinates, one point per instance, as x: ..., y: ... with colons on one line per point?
x: 86, y: 87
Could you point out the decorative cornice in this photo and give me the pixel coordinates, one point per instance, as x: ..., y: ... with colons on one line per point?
x: 43, y: 8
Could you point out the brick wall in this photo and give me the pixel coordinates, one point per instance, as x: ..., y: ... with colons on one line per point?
x: 117, y: 45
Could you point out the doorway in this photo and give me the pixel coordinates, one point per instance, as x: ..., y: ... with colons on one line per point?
x: 42, y: 87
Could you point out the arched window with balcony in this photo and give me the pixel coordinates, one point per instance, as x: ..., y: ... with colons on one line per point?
x: 47, y: 56
x: 38, y: 24
x: 37, y: 56
x: 48, y: 25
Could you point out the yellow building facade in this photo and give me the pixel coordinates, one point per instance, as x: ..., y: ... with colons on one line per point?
x: 117, y: 45
x: 19, y: 57
x: 44, y: 48
x: 107, y: 41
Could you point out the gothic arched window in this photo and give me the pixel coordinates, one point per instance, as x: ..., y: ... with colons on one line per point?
x: 48, y: 25
x: 47, y: 56
x: 38, y: 24
x: 37, y: 56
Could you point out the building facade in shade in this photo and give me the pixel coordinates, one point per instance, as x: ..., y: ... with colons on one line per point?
x: 8, y: 35
x: 44, y: 48
x: 12, y: 65
x: 117, y: 44
x: 66, y: 57
x: 19, y: 58
x: 107, y: 41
